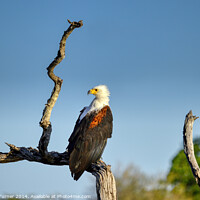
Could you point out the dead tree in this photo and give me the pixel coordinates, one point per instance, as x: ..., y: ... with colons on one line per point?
x: 105, y: 181
x: 189, y: 147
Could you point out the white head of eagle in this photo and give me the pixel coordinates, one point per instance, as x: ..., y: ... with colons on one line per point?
x: 90, y: 134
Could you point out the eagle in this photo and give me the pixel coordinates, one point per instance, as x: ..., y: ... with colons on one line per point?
x: 92, y: 129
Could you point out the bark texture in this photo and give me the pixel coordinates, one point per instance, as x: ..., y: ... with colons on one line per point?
x: 189, y: 147
x: 105, y: 181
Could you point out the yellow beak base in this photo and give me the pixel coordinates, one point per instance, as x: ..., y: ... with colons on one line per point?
x: 92, y: 91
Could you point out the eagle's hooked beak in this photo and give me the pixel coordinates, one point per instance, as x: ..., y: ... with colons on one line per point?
x: 92, y: 91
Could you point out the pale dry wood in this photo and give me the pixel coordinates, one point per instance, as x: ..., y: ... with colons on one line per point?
x: 41, y: 154
x: 189, y: 146
x: 105, y: 181
x: 45, y: 121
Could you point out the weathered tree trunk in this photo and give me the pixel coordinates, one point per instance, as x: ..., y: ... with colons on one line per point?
x: 105, y: 181
x: 189, y: 147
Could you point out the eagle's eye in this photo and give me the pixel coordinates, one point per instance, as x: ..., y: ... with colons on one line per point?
x: 96, y: 90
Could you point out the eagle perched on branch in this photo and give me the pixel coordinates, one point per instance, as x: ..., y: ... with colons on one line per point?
x: 89, y: 137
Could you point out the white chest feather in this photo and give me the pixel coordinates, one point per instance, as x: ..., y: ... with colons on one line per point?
x: 97, y: 104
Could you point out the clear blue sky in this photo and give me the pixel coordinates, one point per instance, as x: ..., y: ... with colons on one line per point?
x: 147, y: 52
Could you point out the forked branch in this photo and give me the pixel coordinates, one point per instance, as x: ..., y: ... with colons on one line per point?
x: 41, y: 154
x: 45, y: 121
x: 189, y: 147
x: 105, y: 182
x: 33, y: 155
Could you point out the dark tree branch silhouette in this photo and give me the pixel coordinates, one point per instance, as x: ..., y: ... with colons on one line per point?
x: 105, y: 181
x: 189, y: 146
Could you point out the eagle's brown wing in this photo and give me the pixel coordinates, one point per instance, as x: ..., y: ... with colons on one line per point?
x: 88, y: 140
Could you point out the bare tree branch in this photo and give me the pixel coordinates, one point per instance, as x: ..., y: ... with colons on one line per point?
x: 58, y: 81
x: 105, y: 181
x: 189, y: 147
x: 33, y: 155
x: 45, y: 121
x: 41, y: 154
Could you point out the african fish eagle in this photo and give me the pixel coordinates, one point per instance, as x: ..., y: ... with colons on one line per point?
x: 89, y: 137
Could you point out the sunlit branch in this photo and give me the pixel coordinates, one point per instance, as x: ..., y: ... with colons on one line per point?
x: 189, y: 146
